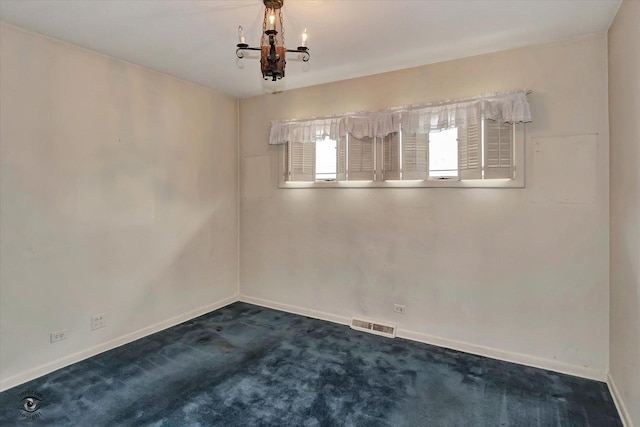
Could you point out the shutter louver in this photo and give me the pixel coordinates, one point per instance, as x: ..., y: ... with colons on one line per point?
x: 303, y: 161
x: 469, y: 154
x: 498, y: 146
x: 360, y: 158
x: 391, y: 156
x: 415, y: 160
x: 341, y: 159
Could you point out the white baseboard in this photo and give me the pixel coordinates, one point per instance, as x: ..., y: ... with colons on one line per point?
x: 507, y: 356
x: 330, y: 317
x: 617, y: 399
x: 493, y: 353
x: 36, y: 372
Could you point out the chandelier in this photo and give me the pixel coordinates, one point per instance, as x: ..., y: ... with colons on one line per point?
x: 272, y: 47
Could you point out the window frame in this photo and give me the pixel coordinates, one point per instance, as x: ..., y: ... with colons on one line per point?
x: 518, y: 180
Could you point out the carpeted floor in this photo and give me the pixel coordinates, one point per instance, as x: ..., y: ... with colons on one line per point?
x: 245, y: 365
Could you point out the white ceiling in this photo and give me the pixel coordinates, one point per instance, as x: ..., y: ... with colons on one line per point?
x: 195, y: 39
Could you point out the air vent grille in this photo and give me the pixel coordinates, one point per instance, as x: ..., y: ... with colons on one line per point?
x: 374, y: 327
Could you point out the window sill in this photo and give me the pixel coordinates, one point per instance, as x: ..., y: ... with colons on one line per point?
x: 432, y: 183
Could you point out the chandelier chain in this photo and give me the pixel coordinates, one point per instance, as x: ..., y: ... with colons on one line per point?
x: 263, y: 39
x: 282, y: 27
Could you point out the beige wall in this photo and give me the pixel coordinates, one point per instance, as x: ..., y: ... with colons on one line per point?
x: 624, y: 113
x: 118, y: 196
x: 520, y: 274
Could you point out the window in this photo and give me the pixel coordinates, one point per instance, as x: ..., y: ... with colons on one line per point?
x: 464, y: 142
x: 326, y: 159
x: 313, y: 161
x: 470, y: 156
x: 443, y: 154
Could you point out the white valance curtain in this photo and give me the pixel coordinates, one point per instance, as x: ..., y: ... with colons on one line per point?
x: 511, y: 107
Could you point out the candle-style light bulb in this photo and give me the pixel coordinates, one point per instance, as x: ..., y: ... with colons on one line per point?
x: 304, y: 38
x: 272, y: 20
x: 241, y: 38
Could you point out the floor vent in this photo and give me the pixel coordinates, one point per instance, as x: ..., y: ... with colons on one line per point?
x: 374, y: 327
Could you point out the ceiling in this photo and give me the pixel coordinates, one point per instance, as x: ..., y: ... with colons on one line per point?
x: 195, y: 39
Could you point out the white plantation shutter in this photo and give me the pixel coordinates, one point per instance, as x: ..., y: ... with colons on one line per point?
x: 469, y: 152
x: 302, y: 164
x: 498, y: 146
x: 391, y: 156
x: 341, y: 158
x: 415, y: 156
x: 360, y: 158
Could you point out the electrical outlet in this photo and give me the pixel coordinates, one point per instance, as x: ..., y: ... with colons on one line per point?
x: 98, y: 321
x: 59, y: 335
x: 399, y: 308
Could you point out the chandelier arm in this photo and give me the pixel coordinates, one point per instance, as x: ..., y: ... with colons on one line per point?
x: 306, y: 55
x: 240, y: 53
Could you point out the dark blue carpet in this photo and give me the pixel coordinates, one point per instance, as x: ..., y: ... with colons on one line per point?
x: 245, y: 365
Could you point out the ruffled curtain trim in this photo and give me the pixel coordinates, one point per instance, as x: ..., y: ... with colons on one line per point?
x: 512, y: 107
